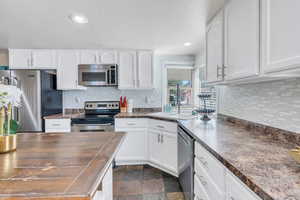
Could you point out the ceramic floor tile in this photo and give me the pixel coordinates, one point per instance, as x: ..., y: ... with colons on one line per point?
x: 151, y: 173
x: 153, y: 186
x: 158, y: 196
x: 125, y: 188
x: 175, y: 196
x: 145, y: 183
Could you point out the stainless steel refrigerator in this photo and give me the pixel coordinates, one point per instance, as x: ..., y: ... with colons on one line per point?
x: 40, y: 96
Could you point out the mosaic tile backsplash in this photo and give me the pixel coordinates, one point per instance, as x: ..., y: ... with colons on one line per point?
x: 141, y: 98
x: 275, y: 104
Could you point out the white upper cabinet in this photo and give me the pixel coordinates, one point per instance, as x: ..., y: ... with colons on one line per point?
x: 280, y: 35
x: 32, y: 59
x: 108, y: 57
x: 241, y: 39
x: 44, y: 59
x: 19, y: 59
x: 214, y: 39
x: 88, y: 57
x: 127, y: 69
x: 145, y: 70
x: 67, y: 72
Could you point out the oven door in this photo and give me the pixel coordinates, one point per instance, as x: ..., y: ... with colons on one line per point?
x: 93, y: 127
x: 92, y: 75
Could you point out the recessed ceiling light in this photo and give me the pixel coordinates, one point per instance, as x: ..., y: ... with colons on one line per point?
x: 79, y: 18
x: 187, y: 44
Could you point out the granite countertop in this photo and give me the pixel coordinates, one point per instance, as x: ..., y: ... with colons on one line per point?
x: 64, y: 116
x: 260, y: 161
x: 57, y: 165
x: 172, y: 117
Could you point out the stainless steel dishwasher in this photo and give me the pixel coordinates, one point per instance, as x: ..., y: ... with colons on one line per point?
x: 186, y: 163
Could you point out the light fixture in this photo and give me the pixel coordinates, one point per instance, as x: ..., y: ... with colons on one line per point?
x: 187, y: 44
x: 79, y: 18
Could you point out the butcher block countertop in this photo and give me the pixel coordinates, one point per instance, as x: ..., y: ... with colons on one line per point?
x: 57, y: 165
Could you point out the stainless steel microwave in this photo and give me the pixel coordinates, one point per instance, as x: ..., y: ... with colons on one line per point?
x: 98, y: 75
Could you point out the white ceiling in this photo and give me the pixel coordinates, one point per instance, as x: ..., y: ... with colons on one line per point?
x: 161, y: 25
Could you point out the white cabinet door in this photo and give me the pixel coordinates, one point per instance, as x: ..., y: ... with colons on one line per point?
x: 280, y: 35
x: 145, y: 70
x: 44, y: 59
x: 155, y: 147
x: 20, y: 59
x: 215, y: 50
x: 107, y: 57
x: 107, y: 185
x: 237, y: 190
x: 169, y: 151
x: 88, y: 57
x: 67, y: 72
x: 241, y: 41
x: 134, y: 147
x: 127, y: 70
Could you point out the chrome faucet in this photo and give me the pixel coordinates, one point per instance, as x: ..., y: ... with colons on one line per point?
x: 178, y: 99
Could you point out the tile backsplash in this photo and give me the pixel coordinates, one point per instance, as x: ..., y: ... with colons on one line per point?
x: 275, y: 104
x: 141, y: 98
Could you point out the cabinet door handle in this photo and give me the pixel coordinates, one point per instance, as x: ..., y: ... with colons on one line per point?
x: 162, y: 138
x: 55, y: 124
x: 203, y: 161
x: 160, y: 126
x: 28, y: 62
x: 223, y: 71
x: 131, y: 124
x: 201, y: 178
x: 158, y: 138
x: 218, y: 70
x: 95, y: 59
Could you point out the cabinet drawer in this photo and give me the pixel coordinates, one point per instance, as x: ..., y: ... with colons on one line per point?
x: 214, y: 169
x: 54, y: 125
x: 238, y: 190
x: 163, y: 125
x: 199, y: 191
x: 130, y: 123
x: 209, y: 185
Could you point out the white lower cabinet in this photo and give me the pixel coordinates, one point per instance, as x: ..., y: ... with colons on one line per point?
x: 105, y: 190
x: 212, y: 181
x: 57, y: 125
x: 148, y: 141
x: 134, y: 147
x: 237, y: 190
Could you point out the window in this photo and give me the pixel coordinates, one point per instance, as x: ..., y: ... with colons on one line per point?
x: 183, y: 77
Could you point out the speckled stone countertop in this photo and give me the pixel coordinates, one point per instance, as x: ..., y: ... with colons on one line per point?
x: 63, y: 116
x: 259, y: 160
x: 144, y: 115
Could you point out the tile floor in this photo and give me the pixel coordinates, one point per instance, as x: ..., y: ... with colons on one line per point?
x: 145, y: 183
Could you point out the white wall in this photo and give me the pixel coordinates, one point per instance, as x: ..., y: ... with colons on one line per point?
x: 3, y: 57
x: 275, y: 104
x: 141, y: 98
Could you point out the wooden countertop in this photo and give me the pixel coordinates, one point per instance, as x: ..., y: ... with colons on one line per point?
x: 57, y: 165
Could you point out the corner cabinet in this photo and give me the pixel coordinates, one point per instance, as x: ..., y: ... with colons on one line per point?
x: 280, y: 35
x: 214, y: 48
x: 241, y: 39
x: 148, y: 141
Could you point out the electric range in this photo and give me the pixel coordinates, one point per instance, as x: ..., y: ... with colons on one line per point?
x: 99, y: 116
